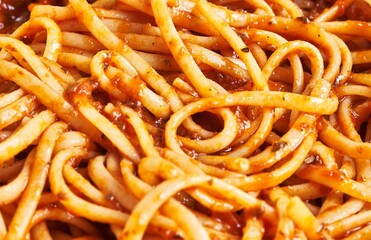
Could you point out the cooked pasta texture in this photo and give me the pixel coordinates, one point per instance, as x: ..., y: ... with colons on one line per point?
x: 187, y: 119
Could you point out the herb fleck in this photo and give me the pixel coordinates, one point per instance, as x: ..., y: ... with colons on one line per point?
x: 245, y: 49
x: 278, y: 146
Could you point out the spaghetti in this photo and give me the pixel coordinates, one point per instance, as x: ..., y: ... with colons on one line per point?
x: 188, y: 119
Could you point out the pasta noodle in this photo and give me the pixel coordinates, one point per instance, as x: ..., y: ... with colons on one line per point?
x: 187, y: 119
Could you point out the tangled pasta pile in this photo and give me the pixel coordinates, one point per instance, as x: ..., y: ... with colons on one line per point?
x: 187, y: 119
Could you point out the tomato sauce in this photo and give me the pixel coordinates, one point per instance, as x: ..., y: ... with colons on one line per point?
x: 15, y: 12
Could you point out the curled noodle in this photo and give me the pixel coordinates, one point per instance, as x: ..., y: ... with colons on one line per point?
x: 186, y: 119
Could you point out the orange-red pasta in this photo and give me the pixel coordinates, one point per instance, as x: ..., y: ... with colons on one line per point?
x: 187, y: 119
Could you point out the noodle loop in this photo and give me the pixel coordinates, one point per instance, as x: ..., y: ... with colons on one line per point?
x: 187, y: 119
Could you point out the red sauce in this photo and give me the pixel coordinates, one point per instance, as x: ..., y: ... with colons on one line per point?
x: 357, y: 10
x: 12, y: 14
x: 15, y: 12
